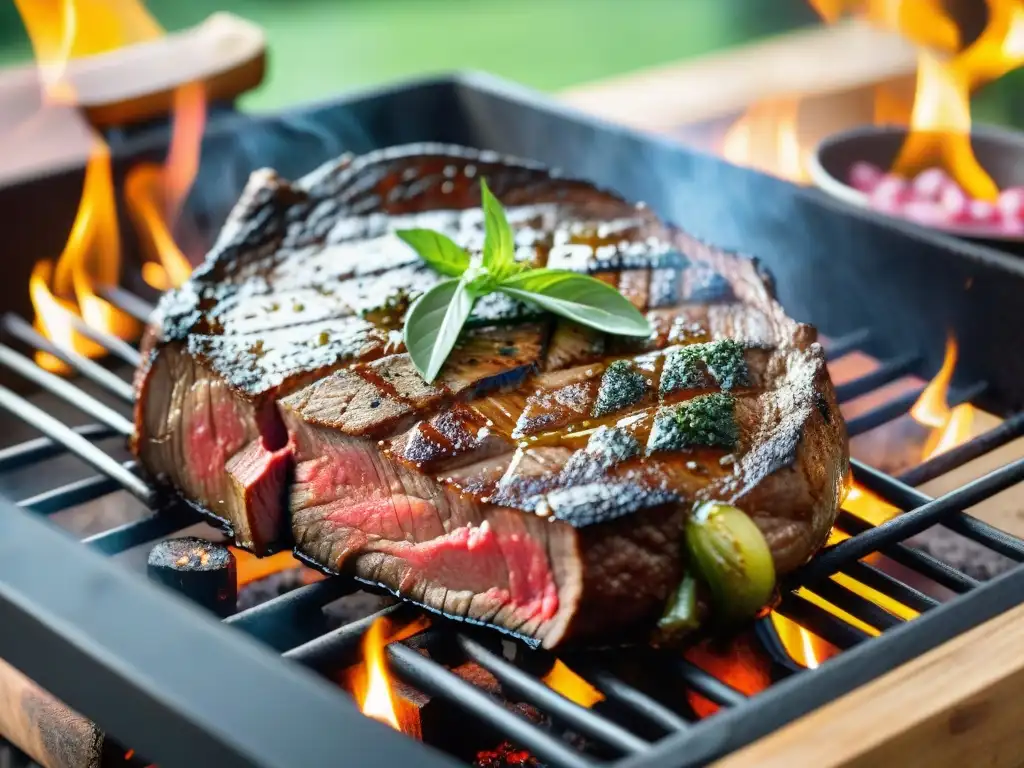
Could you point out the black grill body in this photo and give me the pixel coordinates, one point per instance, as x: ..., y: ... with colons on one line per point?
x: 184, y: 689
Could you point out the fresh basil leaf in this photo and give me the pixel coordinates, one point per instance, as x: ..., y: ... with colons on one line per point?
x: 433, y: 324
x: 439, y: 251
x: 499, y: 242
x: 583, y: 299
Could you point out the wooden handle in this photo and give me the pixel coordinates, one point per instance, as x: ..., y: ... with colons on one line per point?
x: 226, y: 53
x: 51, y: 733
x: 959, y: 704
x: 808, y: 62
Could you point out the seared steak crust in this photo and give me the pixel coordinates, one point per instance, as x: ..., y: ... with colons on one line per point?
x: 541, y: 483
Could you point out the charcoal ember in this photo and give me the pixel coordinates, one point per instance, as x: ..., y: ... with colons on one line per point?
x: 356, y: 606
x: 276, y: 584
x: 201, y: 570
x: 970, y: 557
x: 506, y: 755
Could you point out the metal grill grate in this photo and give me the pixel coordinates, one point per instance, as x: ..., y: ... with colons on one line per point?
x: 284, y: 623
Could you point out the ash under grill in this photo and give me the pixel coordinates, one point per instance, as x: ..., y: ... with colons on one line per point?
x: 182, y: 689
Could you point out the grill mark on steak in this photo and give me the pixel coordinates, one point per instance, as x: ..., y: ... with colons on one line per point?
x: 501, y: 493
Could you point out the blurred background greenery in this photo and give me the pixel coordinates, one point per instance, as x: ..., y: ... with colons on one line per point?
x: 319, y: 48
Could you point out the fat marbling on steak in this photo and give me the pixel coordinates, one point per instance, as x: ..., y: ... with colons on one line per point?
x: 541, y: 483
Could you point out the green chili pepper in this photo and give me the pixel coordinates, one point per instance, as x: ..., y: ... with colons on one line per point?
x: 732, y: 557
x: 681, y: 616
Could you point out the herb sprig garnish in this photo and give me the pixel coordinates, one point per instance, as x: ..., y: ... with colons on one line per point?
x: 433, y: 323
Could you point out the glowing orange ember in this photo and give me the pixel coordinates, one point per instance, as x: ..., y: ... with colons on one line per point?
x: 250, y: 568
x: 950, y: 426
x: 739, y: 663
x: 566, y: 682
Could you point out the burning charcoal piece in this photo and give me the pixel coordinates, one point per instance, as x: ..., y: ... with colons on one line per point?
x: 276, y: 584
x: 198, y: 569
x: 505, y: 755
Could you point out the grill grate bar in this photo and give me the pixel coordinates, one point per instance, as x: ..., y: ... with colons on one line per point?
x: 43, y: 448
x: 66, y: 391
x: 855, y: 605
x: 90, y: 369
x: 160, y: 524
x: 560, y: 708
x: 994, y: 438
x: 886, y: 372
x: 910, y: 523
x: 433, y: 678
x: 338, y: 647
x: 883, y: 414
x: 79, y: 445
x: 871, y: 577
x: 897, y: 407
x: 268, y: 621
x: 936, y: 570
x: 820, y: 622
x: 117, y: 347
x: 708, y: 685
x: 906, y: 497
x: 127, y: 301
x: 70, y: 495
x: 846, y: 344
x: 636, y: 700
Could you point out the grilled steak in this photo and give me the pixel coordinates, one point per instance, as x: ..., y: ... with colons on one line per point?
x: 541, y: 483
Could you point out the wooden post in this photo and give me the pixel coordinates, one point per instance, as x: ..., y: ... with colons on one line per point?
x: 957, y: 705
x: 46, y: 729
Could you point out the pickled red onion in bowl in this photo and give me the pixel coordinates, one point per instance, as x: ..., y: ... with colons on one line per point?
x: 934, y: 199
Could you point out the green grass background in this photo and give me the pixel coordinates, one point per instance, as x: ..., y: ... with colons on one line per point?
x: 319, y: 48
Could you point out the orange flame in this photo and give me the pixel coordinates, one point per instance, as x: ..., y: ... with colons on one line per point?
x: 805, y: 648
x: 950, y: 426
x: 566, y: 682
x: 767, y: 138
x: 92, y: 256
x: 155, y: 195
x: 924, y: 22
x: 370, y: 683
x: 376, y: 700
x: 808, y: 649
x: 941, y: 120
x: 61, y: 31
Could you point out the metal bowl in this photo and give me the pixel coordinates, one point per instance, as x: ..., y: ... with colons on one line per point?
x: 999, y: 151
